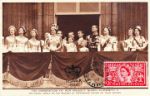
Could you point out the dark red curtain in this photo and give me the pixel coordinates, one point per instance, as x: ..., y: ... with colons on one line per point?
x: 5, y: 62
x: 28, y: 66
x: 71, y: 65
x: 67, y: 66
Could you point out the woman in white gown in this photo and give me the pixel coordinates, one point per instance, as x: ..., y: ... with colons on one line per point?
x: 54, y: 41
x: 34, y: 45
x: 21, y: 40
x: 140, y: 41
x: 10, y: 41
x: 108, y: 42
x: 129, y: 43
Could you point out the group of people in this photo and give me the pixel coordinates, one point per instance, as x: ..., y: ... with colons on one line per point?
x: 57, y: 42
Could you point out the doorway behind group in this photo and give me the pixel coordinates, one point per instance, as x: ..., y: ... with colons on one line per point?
x: 74, y: 23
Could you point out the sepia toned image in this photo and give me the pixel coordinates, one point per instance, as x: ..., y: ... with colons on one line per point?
x: 75, y: 45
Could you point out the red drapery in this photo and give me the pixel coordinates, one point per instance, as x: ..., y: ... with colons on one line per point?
x: 68, y: 66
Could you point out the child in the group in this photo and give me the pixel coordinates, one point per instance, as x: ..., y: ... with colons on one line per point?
x: 83, y: 46
x: 70, y: 45
x: 45, y: 42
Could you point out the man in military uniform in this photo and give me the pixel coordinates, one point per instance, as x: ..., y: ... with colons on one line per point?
x: 93, y: 39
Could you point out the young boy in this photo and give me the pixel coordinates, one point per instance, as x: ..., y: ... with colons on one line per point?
x: 83, y: 46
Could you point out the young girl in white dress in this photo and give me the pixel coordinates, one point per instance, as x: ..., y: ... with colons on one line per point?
x: 129, y: 43
x: 140, y: 41
x: 108, y: 42
x: 10, y: 41
x: 34, y: 45
x: 45, y: 42
x: 21, y: 40
x: 83, y: 46
x: 70, y: 45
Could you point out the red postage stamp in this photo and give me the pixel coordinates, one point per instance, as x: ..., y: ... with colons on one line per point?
x: 125, y: 73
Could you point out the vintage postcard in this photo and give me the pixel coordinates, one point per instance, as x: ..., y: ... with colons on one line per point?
x: 74, y: 48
